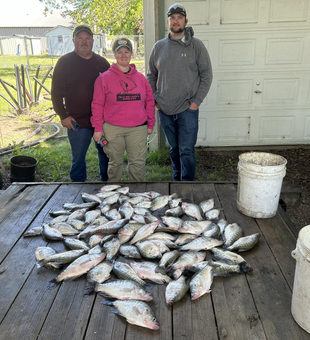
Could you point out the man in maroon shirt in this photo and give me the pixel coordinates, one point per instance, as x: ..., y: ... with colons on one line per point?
x: 72, y: 93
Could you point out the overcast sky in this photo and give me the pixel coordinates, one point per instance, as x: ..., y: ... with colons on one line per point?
x: 11, y: 8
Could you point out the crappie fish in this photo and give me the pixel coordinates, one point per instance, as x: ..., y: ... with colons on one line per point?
x: 100, y: 273
x: 59, y: 213
x: 135, y: 312
x: 207, y: 205
x: 176, y: 290
x: 162, y: 236
x: 184, y: 239
x: 138, y: 218
x: 77, y: 268
x: 213, y: 230
x: 35, y: 231
x: 75, y: 206
x: 59, y: 219
x: 162, y: 245
x: 174, y: 202
x: 201, y: 282
x: 126, y: 210
x: 100, y: 220
x: 77, y: 224
x: 173, y: 223
x: 42, y: 253
x: 212, y: 214
x: 144, y: 232
x: 144, y: 204
x: 231, y: 234
x: 65, y: 228
x: 123, y: 290
x: 64, y: 257
x: 90, y: 198
x: 91, y: 215
x: 111, y: 248
x: 75, y: 244
x: 221, y: 268
x: 194, y: 227
x: 105, y: 208
x: 149, y: 250
x: 108, y: 228
x: 168, y: 258
x: 222, y: 223
x: 202, y: 243
x: 111, y: 199
x: 124, y: 271
x: 94, y: 240
x: 146, y: 270
x: 77, y: 215
x: 244, y: 243
x: 130, y: 251
x: 105, y: 194
x: 113, y: 214
x: 130, y: 228
x: 192, y: 210
x: 159, y: 202
x: 137, y: 199
x: 110, y: 187
x: 226, y: 255
x: 140, y: 211
x: 149, y: 218
x: 51, y: 233
x: 176, y: 212
x: 123, y: 190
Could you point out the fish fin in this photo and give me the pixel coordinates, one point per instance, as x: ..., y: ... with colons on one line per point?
x: 107, y: 303
x: 89, y: 289
x: 160, y: 270
x: 52, y: 284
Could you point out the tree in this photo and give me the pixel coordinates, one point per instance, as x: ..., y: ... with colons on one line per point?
x: 107, y: 16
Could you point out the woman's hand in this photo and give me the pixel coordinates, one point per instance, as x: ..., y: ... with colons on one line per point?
x: 97, y: 136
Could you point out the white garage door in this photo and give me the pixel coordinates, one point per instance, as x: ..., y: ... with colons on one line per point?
x: 260, y: 53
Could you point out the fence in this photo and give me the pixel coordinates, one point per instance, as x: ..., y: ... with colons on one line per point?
x: 18, y: 49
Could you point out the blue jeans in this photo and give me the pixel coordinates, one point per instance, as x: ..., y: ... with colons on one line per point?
x: 80, y: 141
x: 181, y: 132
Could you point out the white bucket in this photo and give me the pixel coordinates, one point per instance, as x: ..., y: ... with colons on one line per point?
x: 260, y: 176
x: 301, y: 289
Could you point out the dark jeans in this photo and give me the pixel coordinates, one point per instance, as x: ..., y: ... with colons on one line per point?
x: 80, y: 141
x: 181, y: 132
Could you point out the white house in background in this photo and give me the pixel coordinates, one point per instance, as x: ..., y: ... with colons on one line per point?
x: 59, y: 41
x: 260, y: 53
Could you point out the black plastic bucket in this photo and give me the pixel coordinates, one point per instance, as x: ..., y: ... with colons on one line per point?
x: 23, y: 169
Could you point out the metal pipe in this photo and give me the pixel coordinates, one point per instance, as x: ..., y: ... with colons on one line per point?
x: 29, y: 83
x: 9, y: 92
x: 41, y: 85
x: 18, y: 87
x: 2, y: 51
x: 43, y: 80
x: 14, y: 107
x: 35, y: 85
x: 23, y: 85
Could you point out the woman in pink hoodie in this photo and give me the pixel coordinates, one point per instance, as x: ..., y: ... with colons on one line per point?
x: 123, y: 112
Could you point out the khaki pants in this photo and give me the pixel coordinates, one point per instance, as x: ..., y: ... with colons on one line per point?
x: 134, y: 141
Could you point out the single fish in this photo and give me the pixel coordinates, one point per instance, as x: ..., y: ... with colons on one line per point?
x: 42, y: 253
x: 65, y: 228
x: 168, y: 258
x: 77, y: 268
x: 149, y: 250
x: 149, y: 218
x: 123, y: 290
x: 196, y: 267
x: 192, y: 210
x: 59, y: 213
x: 201, y: 282
x: 105, y: 208
x: 212, y: 214
x: 64, y: 257
x: 144, y: 204
x: 138, y: 218
x: 137, y: 199
x: 175, y: 203
x: 221, y: 268
x: 77, y: 224
x: 194, y: 227
x: 173, y: 223
x: 226, y: 255
x: 91, y: 215
x: 113, y: 214
x: 111, y: 248
x: 94, y: 240
x: 100, y: 273
x: 77, y: 215
x: 162, y: 236
x: 207, y: 205
x: 75, y: 244
x: 124, y: 271
x: 176, y: 212
x: 159, y: 202
x: 35, y: 231
x: 145, y: 231
x: 146, y: 270
x: 105, y: 194
x: 135, y: 312
x: 90, y: 198
x: 75, y: 206
x: 129, y: 251
x: 59, y: 219
x: 231, y: 234
x: 140, y: 211
x: 123, y: 190
x: 51, y: 233
x: 111, y: 199
x: 176, y: 290
x: 130, y: 229
x: 184, y: 239
x: 222, y: 223
x: 126, y: 210
x: 108, y: 228
x: 244, y: 243
x: 213, y: 230
x: 202, y: 243
x: 110, y: 187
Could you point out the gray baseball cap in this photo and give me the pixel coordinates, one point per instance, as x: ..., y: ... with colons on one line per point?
x: 176, y: 8
x: 121, y: 42
x: 81, y: 28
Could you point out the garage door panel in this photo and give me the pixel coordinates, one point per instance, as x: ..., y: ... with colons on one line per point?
x: 288, y: 11
x: 239, y: 11
x: 235, y: 92
x: 280, y: 91
x: 237, y: 52
x: 277, y: 128
x: 284, y: 51
x: 306, y: 133
x: 233, y: 128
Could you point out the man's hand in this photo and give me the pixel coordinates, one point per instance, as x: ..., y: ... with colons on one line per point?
x: 157, y: 106
x: 67, y: 123
x: 193, y: 106
x: 149, y: 131
x: 97, y: 136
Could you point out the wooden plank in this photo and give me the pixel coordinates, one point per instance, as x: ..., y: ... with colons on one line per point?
x: 270, y: 290
x: 193, y: 319
x: 18, y: 270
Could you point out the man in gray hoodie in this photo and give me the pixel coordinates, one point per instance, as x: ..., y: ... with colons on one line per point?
x: 180, y: 75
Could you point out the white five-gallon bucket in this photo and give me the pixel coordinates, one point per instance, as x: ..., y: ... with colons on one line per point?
x: 260, y: 176
x: 301, y: 289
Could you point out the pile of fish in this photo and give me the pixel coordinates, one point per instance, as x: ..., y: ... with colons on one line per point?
x: 123, y: 241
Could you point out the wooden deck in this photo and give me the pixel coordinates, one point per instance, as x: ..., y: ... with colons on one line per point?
x: 254, y: 306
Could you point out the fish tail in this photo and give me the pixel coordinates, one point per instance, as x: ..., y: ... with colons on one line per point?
x: 52, y: 284
x: 89, y: 289
x: 245, y: 268
x: 107, y: 303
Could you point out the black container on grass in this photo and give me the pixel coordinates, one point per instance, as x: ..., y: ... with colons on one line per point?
x: 23, y: 169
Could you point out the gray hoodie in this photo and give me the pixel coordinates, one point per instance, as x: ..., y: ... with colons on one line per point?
x: 179, y: 72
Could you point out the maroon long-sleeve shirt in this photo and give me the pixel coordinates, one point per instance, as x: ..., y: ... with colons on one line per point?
x: 73, y: 86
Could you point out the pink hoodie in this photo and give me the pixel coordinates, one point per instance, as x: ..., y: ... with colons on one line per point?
x: 122, y: 99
